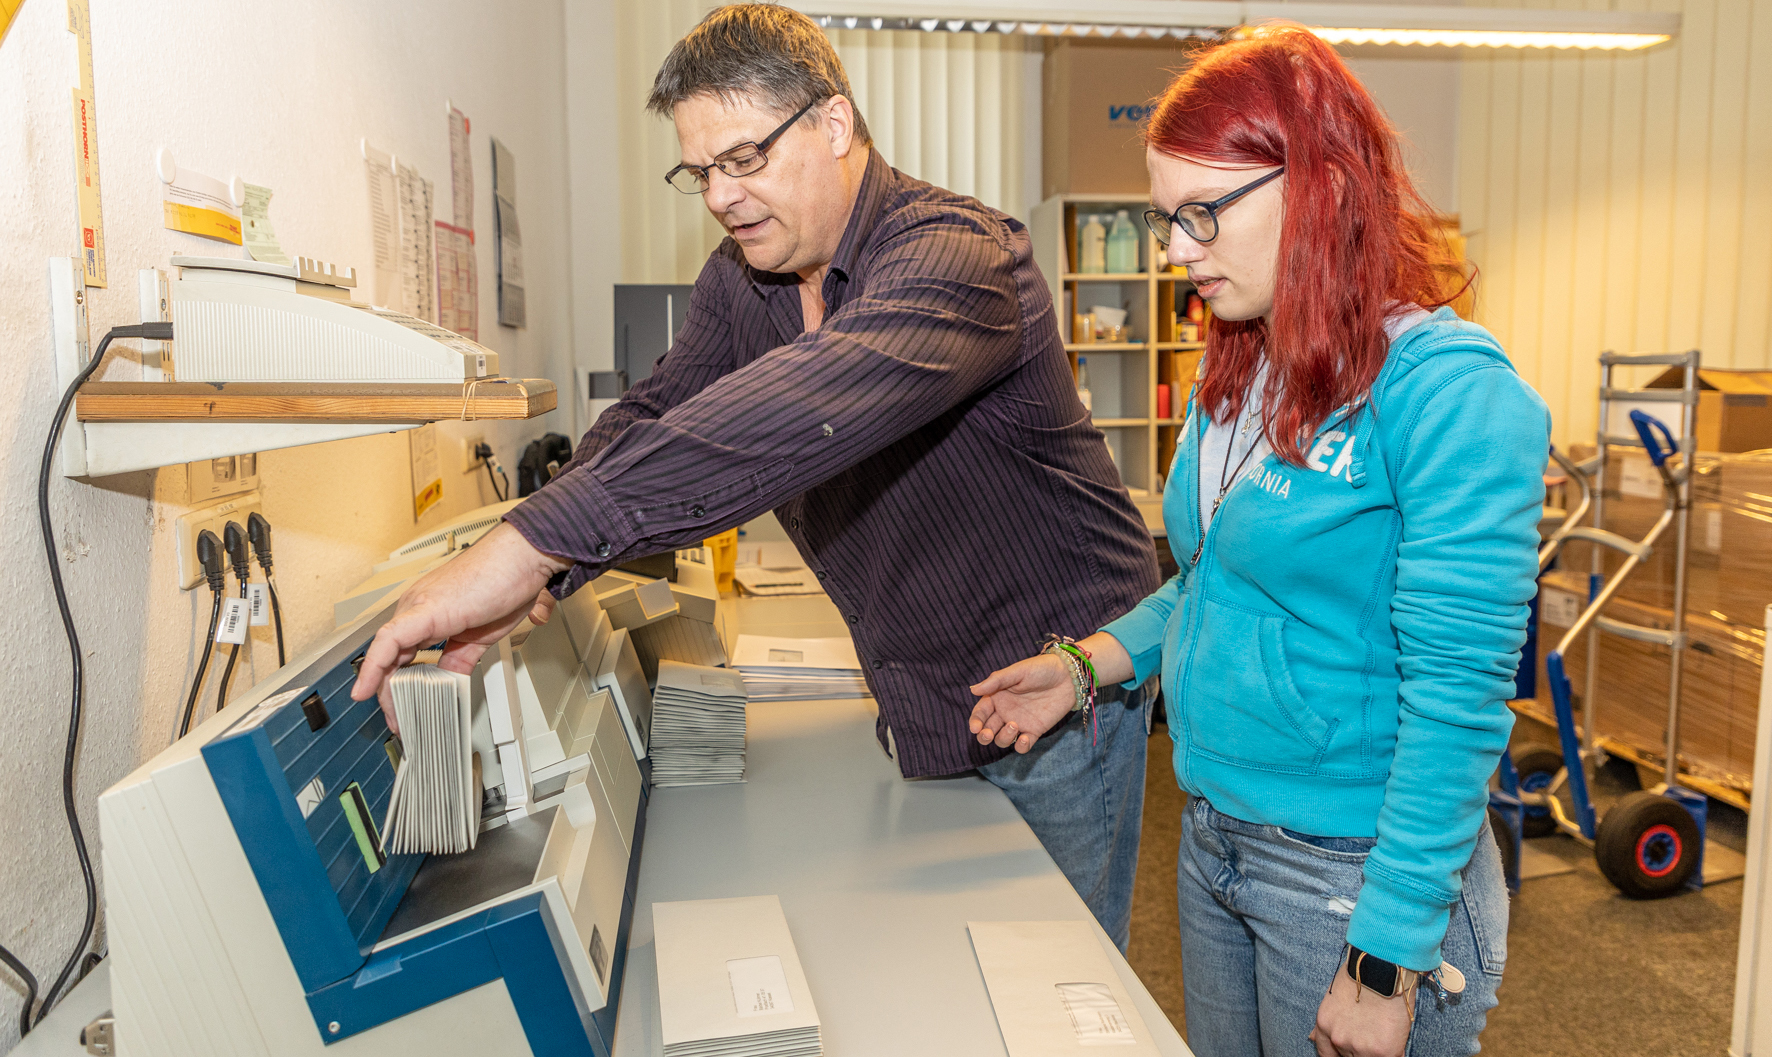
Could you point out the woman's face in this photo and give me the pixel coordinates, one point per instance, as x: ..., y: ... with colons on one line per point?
x: 1234, y: 272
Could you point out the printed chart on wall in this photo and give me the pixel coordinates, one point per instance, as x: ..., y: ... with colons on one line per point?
x: 508, y: 235
x: 427, y: 470
x: 400, y: 235
x: 458, y: 287
x: 92, y: 225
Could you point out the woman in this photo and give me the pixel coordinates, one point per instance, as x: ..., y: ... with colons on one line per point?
x: 1353, y: 508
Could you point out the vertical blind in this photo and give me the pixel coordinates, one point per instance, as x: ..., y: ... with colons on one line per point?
x: 1622, y: 202
x: 961, y: 110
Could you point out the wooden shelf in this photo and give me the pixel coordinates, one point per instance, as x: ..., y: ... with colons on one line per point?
x: 1115, y: 423
x: 1106, y: 277
x: 1107, y: 346
x: 1180, y: 346
x: 495, y: 398
x: 1178, y: 277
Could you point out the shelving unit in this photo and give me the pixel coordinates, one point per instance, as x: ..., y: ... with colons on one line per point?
x: 1123, y: 376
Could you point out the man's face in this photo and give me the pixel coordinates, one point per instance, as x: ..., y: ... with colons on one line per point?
x: 789, y: 216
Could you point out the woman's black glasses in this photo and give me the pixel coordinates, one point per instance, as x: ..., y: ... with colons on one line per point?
x: 1199, y: 219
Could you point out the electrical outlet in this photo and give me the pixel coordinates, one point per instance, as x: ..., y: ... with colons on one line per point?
x: 215, y: 519
x: 469, y: 461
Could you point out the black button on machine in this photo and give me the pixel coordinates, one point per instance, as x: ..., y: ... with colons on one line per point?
x: 315, y: 709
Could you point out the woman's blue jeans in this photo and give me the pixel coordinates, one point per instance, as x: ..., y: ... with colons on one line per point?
x: 1264, y: 916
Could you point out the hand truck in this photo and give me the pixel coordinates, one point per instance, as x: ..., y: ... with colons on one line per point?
x: 1650, y: 843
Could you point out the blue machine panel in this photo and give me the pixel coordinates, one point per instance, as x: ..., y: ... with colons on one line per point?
x: 330, y: 902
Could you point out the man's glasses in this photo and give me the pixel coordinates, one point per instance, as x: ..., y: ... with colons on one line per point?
x: 742, y: 160
x: 1199, y: 219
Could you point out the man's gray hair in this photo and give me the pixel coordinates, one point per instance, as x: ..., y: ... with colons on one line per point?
x: 765, y: 54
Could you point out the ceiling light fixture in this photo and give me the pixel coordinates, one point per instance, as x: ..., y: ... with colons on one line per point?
x: 1406, y: 24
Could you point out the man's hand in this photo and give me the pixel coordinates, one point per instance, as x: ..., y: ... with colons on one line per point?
x: 471, y: 601
x: 1356, y: 1021
x: 1022, y: 702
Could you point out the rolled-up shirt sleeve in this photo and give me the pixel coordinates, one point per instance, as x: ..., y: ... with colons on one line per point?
x: 937, y: 321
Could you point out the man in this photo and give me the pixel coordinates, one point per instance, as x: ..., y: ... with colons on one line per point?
x: 877, y: 360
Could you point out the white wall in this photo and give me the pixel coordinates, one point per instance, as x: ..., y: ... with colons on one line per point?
x: 280, y: 95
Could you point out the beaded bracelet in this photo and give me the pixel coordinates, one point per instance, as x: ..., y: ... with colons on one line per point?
x: 1082, y: 668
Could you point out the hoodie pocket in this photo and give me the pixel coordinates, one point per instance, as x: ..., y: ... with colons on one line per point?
x: 1241, y: 702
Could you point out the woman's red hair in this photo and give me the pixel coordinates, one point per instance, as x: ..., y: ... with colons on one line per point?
x: 1355, y: 238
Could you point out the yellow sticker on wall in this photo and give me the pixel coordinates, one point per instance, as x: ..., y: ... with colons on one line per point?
x: 8, y: 8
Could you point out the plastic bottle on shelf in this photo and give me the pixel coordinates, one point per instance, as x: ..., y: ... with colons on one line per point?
x: 1083, y: 384
x: 1092, y: 247
x: 1122, y: 245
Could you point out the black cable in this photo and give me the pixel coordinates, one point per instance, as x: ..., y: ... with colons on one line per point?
x: 234, y: 542
x: 258, y: 531
x: 209, y: 555
x: 276, y: 617
x: 18, y: 967
x: 483, y: 451
x: 157, y: 332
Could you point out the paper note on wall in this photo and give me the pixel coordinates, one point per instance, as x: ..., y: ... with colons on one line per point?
x: 511, y: 308
x: 201, y: 205
x: 427, y: 470
x: 92, y: 222
x: 457, y: 270
x: 417, y: 292
x: 384, y: 228
x: 255, y: 221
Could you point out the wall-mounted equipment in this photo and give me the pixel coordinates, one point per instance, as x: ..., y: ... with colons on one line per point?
x: 268, y: 356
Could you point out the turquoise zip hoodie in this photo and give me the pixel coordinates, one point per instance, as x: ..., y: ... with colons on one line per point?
x: 1339, y: 659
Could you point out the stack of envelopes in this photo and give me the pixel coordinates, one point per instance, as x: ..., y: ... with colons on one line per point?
x: 435, y: 806
x: 730, y: 982
x: 777, y: 669
x: 698, y: 725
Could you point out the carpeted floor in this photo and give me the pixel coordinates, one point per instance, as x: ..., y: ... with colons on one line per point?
x: 1589, y: 972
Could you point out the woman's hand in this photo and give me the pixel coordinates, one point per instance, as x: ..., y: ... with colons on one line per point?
x: 1023, y: 701
x: 1356, y: 1021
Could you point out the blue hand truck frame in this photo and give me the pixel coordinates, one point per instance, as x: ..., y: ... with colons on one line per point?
x: 1651, y: 843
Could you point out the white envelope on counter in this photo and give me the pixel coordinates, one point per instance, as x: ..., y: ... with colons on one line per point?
x: 1055, y: 992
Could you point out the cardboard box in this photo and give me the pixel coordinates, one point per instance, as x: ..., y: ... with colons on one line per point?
x: 1734, y: 409
x: 1096, y: 95
x: 1720, y: 682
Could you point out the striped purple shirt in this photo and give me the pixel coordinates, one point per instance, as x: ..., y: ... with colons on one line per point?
x: 924, y: 448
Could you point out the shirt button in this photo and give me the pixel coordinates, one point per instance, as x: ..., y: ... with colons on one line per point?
x: 821, y: 574
x: 878, y: 665
x: 795, y: 522
x: 698, y: 511
x: 853, y: 619
x: 602, y: 550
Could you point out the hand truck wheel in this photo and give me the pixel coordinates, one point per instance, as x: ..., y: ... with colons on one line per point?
x: 1647, y: 846
x: 1538, y: 769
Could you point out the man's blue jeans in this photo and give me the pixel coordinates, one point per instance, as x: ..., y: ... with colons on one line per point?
x: 1081, y: 790
x: 1264, y: 916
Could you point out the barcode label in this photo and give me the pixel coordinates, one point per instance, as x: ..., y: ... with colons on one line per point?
x: 234, y: 618
x: 258, y: 596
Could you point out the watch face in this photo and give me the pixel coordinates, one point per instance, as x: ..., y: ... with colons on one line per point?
x: 1376, y: 973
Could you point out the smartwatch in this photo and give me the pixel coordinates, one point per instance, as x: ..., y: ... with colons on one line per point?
x: 1387, y: 978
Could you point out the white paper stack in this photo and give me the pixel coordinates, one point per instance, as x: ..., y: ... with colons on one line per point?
x: 435, y: 805
x: 730, y: 982
x: 778, y: 669
x: 698, y: 725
